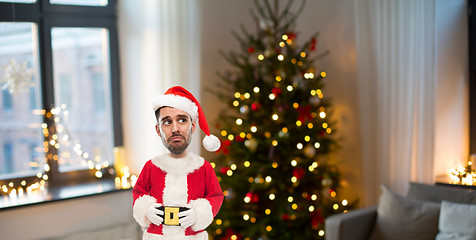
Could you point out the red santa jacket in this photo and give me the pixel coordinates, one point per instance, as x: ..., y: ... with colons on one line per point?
x: 177, y: 182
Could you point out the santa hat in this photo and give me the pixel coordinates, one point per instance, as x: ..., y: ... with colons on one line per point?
x: 179, y: 98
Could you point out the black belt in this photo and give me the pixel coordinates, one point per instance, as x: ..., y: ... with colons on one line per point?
x: 171, y: 214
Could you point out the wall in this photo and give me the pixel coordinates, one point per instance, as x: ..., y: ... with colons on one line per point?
x: 63, y: 218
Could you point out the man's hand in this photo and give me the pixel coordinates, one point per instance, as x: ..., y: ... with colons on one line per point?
x: 187, y: 218
x: 153, y: 213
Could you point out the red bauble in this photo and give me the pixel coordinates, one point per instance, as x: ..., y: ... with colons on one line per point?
x: 223, y: 170
x: 285, y: 217
x: 316, y: 219
x: 276, y: 91
x: 299, y: 173
x: 224, y: 146
x: 255, y: 106
x: 251, y: 50
x: 291, y: 35
x: 313, y: 44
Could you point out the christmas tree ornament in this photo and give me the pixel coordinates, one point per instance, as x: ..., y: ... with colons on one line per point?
x: 17, y: 77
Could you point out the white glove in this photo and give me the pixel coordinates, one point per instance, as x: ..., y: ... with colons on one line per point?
x: 187, y: 218
x: 153, y: 213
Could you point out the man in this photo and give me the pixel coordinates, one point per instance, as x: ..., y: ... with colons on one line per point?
x: 177, y: 195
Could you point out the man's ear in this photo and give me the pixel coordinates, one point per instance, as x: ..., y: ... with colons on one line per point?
x: 194, y: 126
x: 157, y: 129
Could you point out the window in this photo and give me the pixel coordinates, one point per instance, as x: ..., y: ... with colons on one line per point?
x: 59, y: 107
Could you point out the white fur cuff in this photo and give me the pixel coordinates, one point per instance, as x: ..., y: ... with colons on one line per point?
x: 204, y: 213
x: 140, y: 208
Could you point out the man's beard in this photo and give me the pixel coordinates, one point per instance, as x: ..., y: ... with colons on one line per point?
x: 177, y: 148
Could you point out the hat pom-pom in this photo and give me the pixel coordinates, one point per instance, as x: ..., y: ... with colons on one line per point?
x: 211, y: 143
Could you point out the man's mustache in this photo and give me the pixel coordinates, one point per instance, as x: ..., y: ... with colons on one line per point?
x: 175, y: 135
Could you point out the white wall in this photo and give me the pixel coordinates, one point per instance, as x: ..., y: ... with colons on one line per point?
x: 62, y: 218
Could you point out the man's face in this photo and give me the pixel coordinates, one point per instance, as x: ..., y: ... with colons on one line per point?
x: 175, y: 128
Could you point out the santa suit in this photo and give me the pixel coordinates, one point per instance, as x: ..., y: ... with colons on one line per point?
x: 176, y: 182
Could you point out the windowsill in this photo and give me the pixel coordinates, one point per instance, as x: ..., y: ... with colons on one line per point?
x: 60, y: 193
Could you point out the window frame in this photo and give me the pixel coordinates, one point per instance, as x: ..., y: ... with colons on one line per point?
x: 48, y: 16
x: 472, y: 74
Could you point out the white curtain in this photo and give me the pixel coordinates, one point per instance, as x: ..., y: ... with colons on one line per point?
x: 398, y: 60
x: 159, y: 48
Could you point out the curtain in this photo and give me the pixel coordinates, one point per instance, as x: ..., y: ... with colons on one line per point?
x: 159, y: 44
x: 405, y: 97
x: 395, y: 49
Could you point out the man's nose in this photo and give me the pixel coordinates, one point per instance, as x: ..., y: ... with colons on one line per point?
x: 175, y: 128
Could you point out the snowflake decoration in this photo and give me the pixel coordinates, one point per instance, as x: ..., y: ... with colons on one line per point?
x: 17, y: 77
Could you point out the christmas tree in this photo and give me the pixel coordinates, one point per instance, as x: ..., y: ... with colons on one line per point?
x: 274, y: 166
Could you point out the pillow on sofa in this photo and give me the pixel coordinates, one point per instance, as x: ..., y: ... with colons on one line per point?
x: 457, y: 221
x: 404, y: 218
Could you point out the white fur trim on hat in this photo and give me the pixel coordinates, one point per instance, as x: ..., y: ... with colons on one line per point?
x: 211, y: 143
x: 178, y: 102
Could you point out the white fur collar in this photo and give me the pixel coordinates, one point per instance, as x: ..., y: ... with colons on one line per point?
x: 187, y: 164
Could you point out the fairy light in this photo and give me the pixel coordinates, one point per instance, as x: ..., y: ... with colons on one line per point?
x: 321, y: 233
x: 272, y: 196
x: 256, y: 89
x: 299, y: 146
x: 275, y: 117
x: 247, y: 164
x: 293, y: 163
x: 236, y: 103
x: 254, y: 129
x: 261, y: 57
x: 323, y: 74
x: 289, y: 88
x: 280, y: 57
x: 314, y: 197
x: 272, y: 96
x: 322, y: 114
x: 239, y: 121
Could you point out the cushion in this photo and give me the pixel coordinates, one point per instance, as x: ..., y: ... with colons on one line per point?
x: 457, y: 221
x: 438, y: 193
x: 400, y: 218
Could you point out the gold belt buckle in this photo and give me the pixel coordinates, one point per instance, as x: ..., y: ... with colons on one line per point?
x: 171, y: 216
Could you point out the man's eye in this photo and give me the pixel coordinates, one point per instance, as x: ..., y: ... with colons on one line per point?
x: 182, y: 120
x: 167, y: 122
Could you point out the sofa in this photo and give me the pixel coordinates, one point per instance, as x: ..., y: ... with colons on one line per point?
x: 427, y: 211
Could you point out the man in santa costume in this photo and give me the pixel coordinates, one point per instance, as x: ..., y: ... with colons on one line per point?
x: 177, y: 194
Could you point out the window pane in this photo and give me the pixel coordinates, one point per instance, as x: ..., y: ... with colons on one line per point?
x: 82, y: 90
x: 80, y: 2
x: 21, y: 137
x: 19, y: 1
